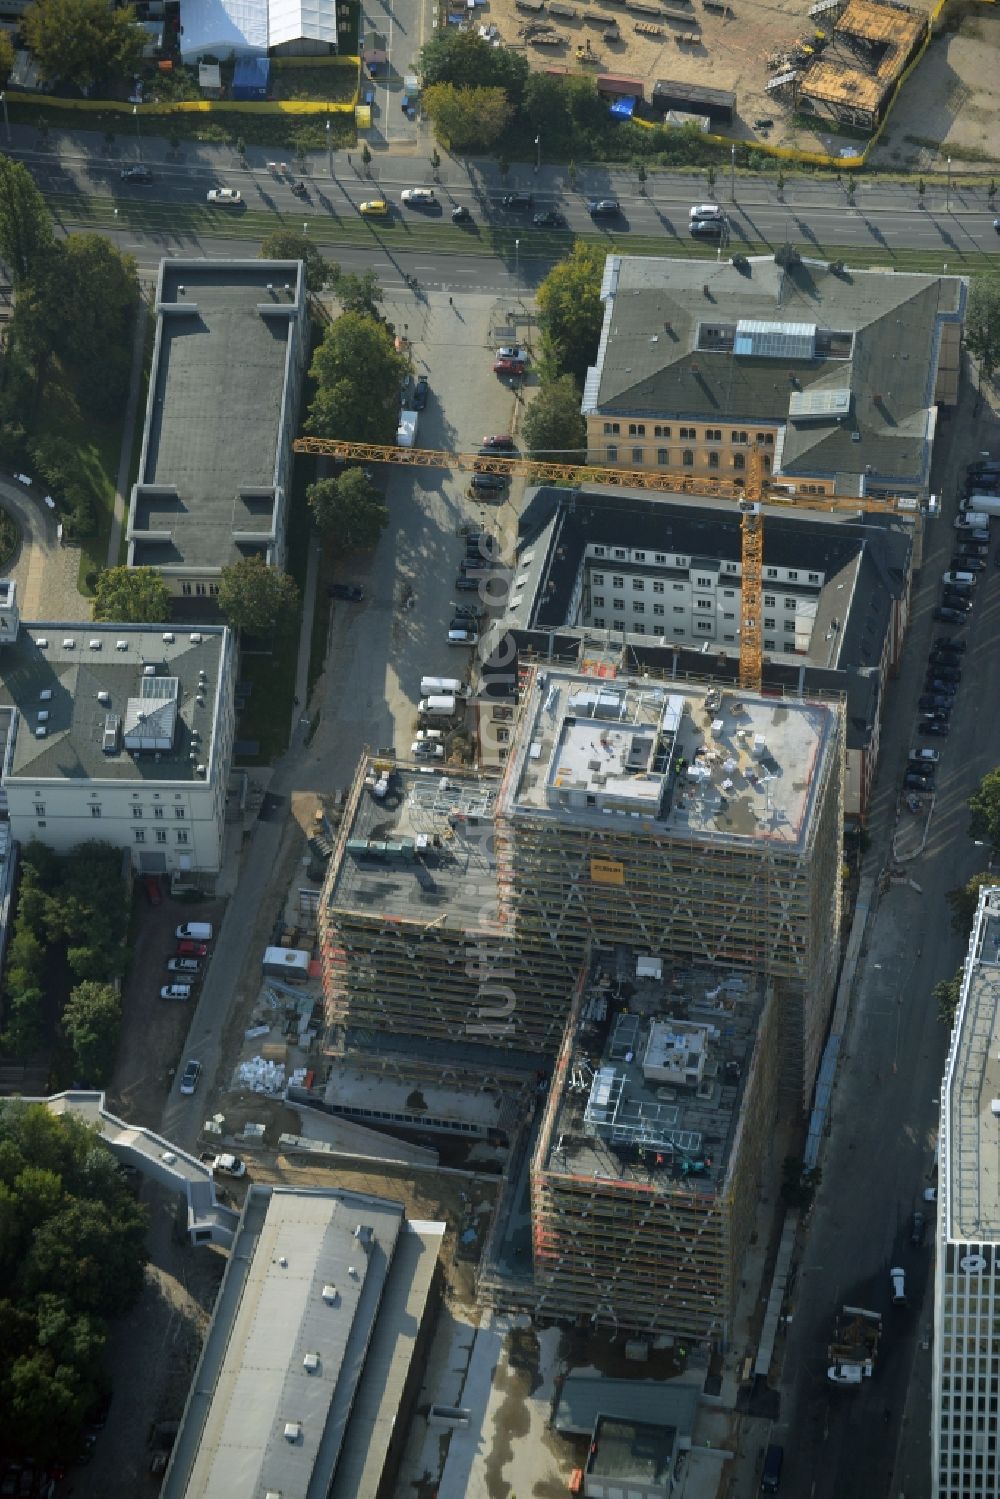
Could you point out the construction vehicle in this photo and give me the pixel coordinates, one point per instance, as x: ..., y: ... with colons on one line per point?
x: 750, y: 492
x: 855, y: 1343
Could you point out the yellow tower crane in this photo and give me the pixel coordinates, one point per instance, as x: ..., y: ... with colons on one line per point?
x: 751, y: 492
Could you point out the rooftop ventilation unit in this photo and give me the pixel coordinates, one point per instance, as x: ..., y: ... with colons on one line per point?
x: 149, y: 671
x: 41, y: 733
x: 45, y: 696
x: 195, y: 639
x: 121, y: 645
x: 43, y: 717
x: 201, y: 770
x: 293, y: 1431
x: 104, y: 697
x: 42, y: 644
x: 95, y: 645
x: 69, y: 645
x: 330, y: 1294
x: 168, y: 638
x: 311, y: 1363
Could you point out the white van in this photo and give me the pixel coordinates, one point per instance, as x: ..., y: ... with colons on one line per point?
x: 418, y: 197
x: 194, y: 931
x: 175, y: 991
x: 462, y: 637
x: 972, y: 520
x: 705, y: 211
x: 437, y: 706
x: 963, y: 580
x: 429, y: 686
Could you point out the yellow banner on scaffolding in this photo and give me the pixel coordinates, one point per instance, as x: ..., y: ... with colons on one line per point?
x: 607, y: 872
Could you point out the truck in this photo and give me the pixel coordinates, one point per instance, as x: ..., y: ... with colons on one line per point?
x: 972, y: 520
x: 226, y: 1165
x: 286, y: 963
x: 406, y: 432
x: 436, y: 686
x: 437, y: 706
x: 855, y: 1342
x: 984, y: 504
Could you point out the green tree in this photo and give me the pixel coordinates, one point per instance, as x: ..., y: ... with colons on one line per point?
x: 946, y: 995
x: 358, y: 375
x: 640, y: 172
x: 570, y: 309
x: 435, y: 162
x: 135, y: 595
x: 358, y: 291
x: 467, y: 119
x: 26, y: 237
x: 81, y: 41
x: 982, y: 331
x: 984, y: 809
x: 553, y: 426
x: 964, y: 901
x: 6, y: 58
x: 88, y: 1253
x: 366, y: 157
x: 348, y: 510
x: 288, y: 244
x: 91, y: 1021
x: 258, y: 599
x: 467, y: 61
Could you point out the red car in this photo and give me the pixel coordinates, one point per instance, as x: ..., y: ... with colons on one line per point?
x: 189, y: 949
x: 502, y: 444
x: 506, y: 366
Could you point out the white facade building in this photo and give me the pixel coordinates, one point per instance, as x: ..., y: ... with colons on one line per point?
x: 122, y: 733
x: 966, y: 1370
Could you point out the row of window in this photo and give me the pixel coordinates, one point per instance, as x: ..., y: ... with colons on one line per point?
x: 687, y: 458
x: 139, y: 834
x: 689, y: 434
x: 137, y: 812
x: 662, y: 559
x: 200, y: 589
x: 638, y: 585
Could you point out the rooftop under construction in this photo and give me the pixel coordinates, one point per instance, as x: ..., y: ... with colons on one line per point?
x: 880, y: 40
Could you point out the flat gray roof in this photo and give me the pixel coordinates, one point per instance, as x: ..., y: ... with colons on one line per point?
x: 214, y: 428
x: 706, y: 340
x: 667, y: 757
x: 969, y: 1158
x: 585, y: 1397
x: 55, y: 673
x: 627, y: 1449
x: 284, y: 1363
x: 451, y: 880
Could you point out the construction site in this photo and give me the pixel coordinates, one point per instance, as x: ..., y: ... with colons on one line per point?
x: 648, y: 1164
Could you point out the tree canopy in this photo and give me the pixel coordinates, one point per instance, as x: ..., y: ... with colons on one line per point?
x: 467, y: 61
x: 982, y: 321
x: 26, y: 236
x: 553, y: 427
x: 348, y: 510
x: 81, y: 41
x: 570, y: 309
x: 946, y: 995
x: 258, y: 599
x: 91, y: 1020
x: 135, y: 595
x: 358, y: 291
x: 358, y: 375
x: 289, y: 244
x: 467, y: 119
x: 964, y: 901
x: 984, y: 810
x: 71, y: 1257
x: 6, y: 57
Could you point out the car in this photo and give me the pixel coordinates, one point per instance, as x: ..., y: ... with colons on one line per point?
x: 419, y: 397
x: 957, y: 598
x: 462, y: 637
x: 483, y: 547
x: 948, y: 671
x: 188, y: 949
x: 996, y: 225
x: 353, y: 593
x: 225, y: 196
x: 374, y: 208
x: 465, y: 584
x: 183, y: 965
x: 461, y: 215
x: 968, y: 563
x: 190, y: 1077
x: 931, y: 700
x: 918, y: 1227
x: 515, y: 200
x: 431, y: 736
x: 897, y: 1285
x: 945, y: 615
x: 505, y: 444
x: 913, y: 781
x: 136, y: 174
x: 550, y: 219
x: 487, y: 483
x: 958, y: 579
x: 513, y: 351
x: 505, y: 366
x: 933, y: 726
x: 467, y: 611
x: 770, y: 1477
x: 464, y: 622
x: 422, y: 749
x: 926, y: 756
x: 953, y: 643
x: 175, y: 991
x: 419, y: 197
x: 604, y: 208
x: 151, y: 885
x: 225, y: 1165
x: 941, y: 687
x: 706, y: 228
x: 986, y: 465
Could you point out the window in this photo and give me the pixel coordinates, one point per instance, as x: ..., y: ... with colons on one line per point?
x: 767, y: 464
x: 637, y: 455
x: 703, y: 582
x: 638, y: 608
x: 139, y: 834
x: 621, y: 554
x: 768, y: 624
x: 729, y: 593
x: 95, y: 811
x: 713, y: 460
x: 638, y: 585
x: 769, y: 439
x: 660, y: 557
x: 789, y: 627
x: 180, y: 812
x: 137, y: 812
x: 657, y: 587
x: 639, y: 556
x: 612, y: 454
x: 739, y: 461
x: 688, y: 458
x: 679, y: 609
x: 42, y: 823
x: 182, y: 836
x: 704, y: 603
x: 213, y: 589
x: 770, y: 572
x: 617, y: 581
x: 813, y: 577
x: 612, y: 429
x: 598, y: 579
x: 157, y: 811
x: 703, y: 624
x: 637, y: 429
x: 503, y: 736
x: 677, y: 587
x: 686, y: 433
x: 638, y: 629
x: 39, y: 809
x: 657, y: 608
x: 598, y: 624
x: 600, y: 552
x: 713, y: 434
x: 618, y: 604
x: 729, y: 614
x: 793, y: 576
x: 661, y: 431
x: 663, y: 457
x: 599, y: 602
x: 739, y: 437
x: 186, y: 589
x: 161, y: 835
x: 789, y: 603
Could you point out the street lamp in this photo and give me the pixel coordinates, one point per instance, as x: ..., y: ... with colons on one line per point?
x: 6, y: 121
x: 517, y: 265
x: 538, y: 152
x: 138, y: 128
x: 947, y: 198
x: 732, y: 172
x: 329, y: 149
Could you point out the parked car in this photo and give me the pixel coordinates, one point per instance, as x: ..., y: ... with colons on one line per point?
x: 374, y: 208
x: 706, y: 228
x: 604, y: 208
x: 463, y: 637
x: 184, y: 965
x: 502, y: 443
x: 941, y: 686
x: 136, y: 174
x: 225, y: 196
x: 427, y: 749
x: 352, y: 592
x: 188, y: 949
x: 175, y: 991
x: 934, y: 700
x: 953, y: 643
x: 487, y: 483
x: 897, y: 1285
x: 419, y: 197
x: 914, y: 782
x: 953, y: 598
x: 504, y: 366
x: 944, y: 671
x: 467, y: 611
x: 197, y: 931
x: 464, y: 622
x: 515, y: 200
x: 466, y: 584
x: 461, y: 215
x: 926, y: 756
x: 945, y: 615
x: 151, y: 885
x: 959, y: 580
x: 933, y: 726
x: 968, y: 563
x: 190, y: 1077
x: 513, y: 351
x: 550, y: 219
x: 918, y: 1227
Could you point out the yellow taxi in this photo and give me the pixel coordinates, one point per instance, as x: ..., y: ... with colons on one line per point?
x: 375, y: 208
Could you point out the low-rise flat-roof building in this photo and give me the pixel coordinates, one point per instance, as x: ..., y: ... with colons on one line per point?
x: 834, y: 373
x: 230, y: 351
x: 655, y: 584
x: 314, y: 1352
x: 122, y: 733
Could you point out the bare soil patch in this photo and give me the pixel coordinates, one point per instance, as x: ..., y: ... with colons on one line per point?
x: 949, y: 106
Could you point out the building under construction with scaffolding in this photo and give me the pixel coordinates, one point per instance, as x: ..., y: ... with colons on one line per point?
x: 703, y: 824
x: 649, y: 1159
